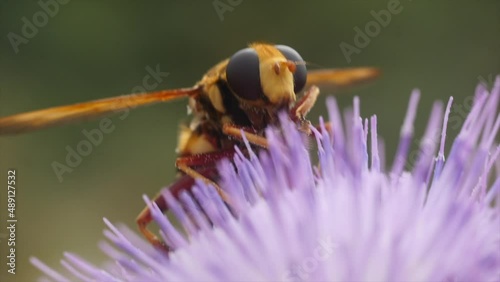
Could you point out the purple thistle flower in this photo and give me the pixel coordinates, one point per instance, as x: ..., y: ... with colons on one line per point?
x: 345, y: 220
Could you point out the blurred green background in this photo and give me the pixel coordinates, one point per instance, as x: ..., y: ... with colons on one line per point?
x: 90, y: 50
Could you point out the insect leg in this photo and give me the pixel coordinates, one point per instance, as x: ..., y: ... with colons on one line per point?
x: 305, y: 104
x: 302, y: 107
x: 235, y: 131
x: 186, y: 164
x: 145, y: 217
x: 328, y: 127
x: 184, y: 183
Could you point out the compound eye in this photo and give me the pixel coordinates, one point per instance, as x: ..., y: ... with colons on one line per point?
x: 300, y: 75
x: 243, y: 74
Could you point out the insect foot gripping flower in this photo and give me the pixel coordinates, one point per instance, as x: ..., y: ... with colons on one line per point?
x: 346, y: 220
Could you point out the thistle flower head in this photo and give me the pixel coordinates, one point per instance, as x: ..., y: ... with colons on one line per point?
x: 426, y: 218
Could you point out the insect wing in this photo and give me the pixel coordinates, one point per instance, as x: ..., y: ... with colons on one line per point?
x: 88, y: 110
x: 342, y: 78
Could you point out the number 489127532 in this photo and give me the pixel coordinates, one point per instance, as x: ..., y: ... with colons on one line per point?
x: 11, y: 192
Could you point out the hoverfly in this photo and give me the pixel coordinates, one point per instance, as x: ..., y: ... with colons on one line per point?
x: 239, y: 96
